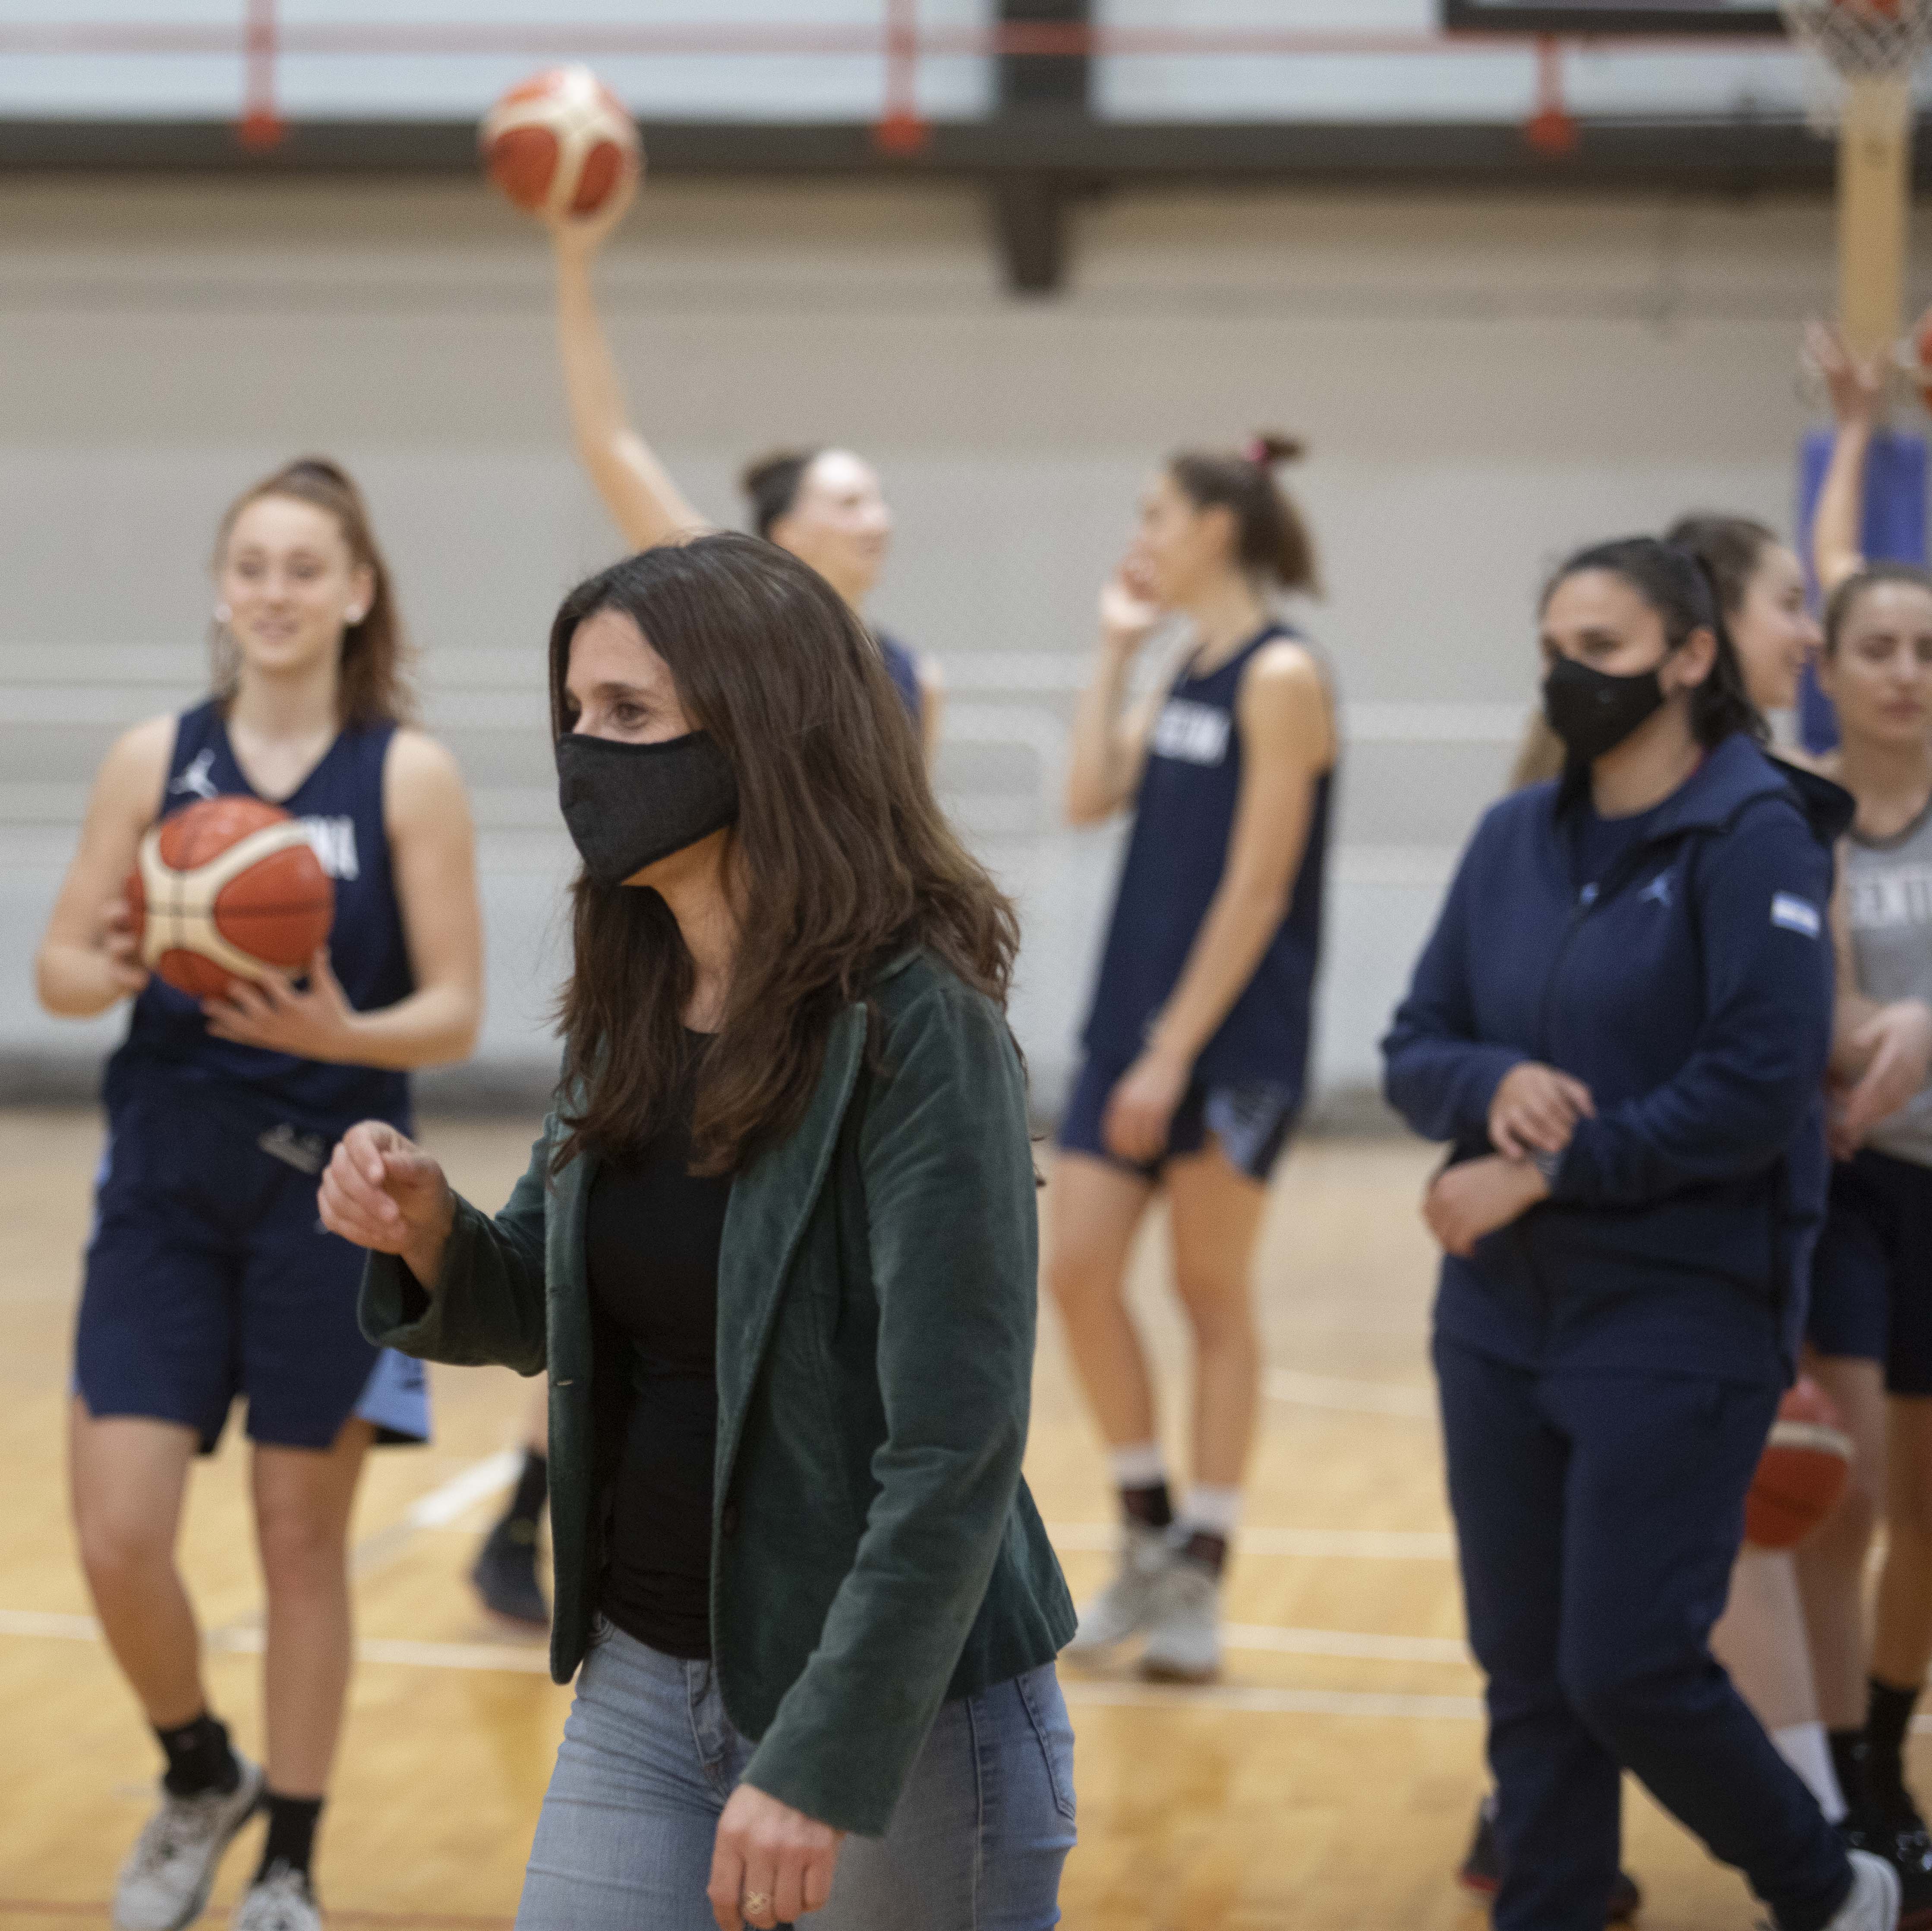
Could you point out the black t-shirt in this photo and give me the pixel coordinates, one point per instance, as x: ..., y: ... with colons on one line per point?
x: 652, y: 1232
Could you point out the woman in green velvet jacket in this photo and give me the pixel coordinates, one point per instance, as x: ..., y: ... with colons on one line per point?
x: 776, y: 1248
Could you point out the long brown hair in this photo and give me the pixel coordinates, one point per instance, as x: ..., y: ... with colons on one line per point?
x: 374, y: 686
x: 1271, y: 538
x: 843, y: 857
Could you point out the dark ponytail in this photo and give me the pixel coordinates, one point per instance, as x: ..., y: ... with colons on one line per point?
x: 1679, y: 584
x: 1730, y: 549
x: 1270, y: 537
x: 772, y: 484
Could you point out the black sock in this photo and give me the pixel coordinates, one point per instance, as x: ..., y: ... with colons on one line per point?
x: 291, y: 1838
x: 1150, y: 1505
x: 520, y: 1520
x: 1207, y: 1547
x: 532, y: 1487
x: 198, y: 1758
x: 1887, y: 1720
x: 1848, y: 1759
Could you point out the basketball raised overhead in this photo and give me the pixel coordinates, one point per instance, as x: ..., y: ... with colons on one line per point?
x: 230, y: 888
x: 559, y: 143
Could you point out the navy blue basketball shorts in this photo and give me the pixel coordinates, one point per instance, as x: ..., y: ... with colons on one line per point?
x: 1253, y: 1122
x: 1871, y: 1278
x: 208, y: 1277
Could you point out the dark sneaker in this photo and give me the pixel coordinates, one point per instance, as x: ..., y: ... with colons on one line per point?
x: 1482, y: 1871
x: 1907, y: 1849
x: 506, y: 1574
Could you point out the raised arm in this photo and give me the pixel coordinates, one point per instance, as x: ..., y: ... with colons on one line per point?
x: 1110, y: 736
x: 637, y: 488
x: 87, y: 960
x: 433, y: 851
x: 1856, y: 386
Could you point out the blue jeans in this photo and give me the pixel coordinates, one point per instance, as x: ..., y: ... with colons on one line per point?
x: 649, y: 1757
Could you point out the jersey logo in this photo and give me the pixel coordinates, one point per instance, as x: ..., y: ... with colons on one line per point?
x: 1901, y: 895
x: 1194, y: 733
x: 306, y: 1152
x: 1657, y: 892
x: 1795, y: 915
x: 194, y: 779
x: 334, y: 842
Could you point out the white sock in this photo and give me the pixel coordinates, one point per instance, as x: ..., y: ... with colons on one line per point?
x: 1803, y: 1746
x: 1215, y: 1509
x: 1139, y: 1466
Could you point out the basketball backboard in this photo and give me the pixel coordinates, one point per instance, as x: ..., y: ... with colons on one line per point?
x: 1611, y: 17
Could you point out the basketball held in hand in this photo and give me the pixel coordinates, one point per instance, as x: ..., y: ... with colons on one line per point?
x: 230, y: 888
x: 559, y: 143
x: 1805, y: 1468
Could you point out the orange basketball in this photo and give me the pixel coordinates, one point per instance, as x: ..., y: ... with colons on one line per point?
x: 558, y: 142
x: 1802, y: 1472
x: 225, y: 890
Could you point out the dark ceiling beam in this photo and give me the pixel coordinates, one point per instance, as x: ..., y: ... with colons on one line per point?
x: 1045, y: 96
x: 1719, y: 156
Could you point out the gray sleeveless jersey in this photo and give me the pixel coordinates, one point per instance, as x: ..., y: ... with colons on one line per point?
x: 1888, y: 894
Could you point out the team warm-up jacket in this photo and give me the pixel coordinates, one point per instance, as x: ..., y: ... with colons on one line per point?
x: 1691, y: 990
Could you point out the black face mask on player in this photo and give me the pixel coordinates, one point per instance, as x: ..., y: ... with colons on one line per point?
x: 629, y: 805
x: 1593, y: 712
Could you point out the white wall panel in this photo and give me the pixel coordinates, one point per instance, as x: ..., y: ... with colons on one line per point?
x: 1482, y: 384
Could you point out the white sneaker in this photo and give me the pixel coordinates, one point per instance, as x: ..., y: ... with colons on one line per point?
x: 1183, y: 1643
x: 282, y: 1901
x: 164, y: 1883
x: 1126, y: 1605
x: 1872, y: 1903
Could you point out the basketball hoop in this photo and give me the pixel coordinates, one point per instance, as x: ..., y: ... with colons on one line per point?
x: 1870, y: 48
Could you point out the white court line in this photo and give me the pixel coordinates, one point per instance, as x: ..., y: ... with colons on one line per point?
x: 1371, y: 1544
x: 1351, y: 1397
x: 441, y: 1507
x: 1352, y: 1643
x: 1267, y: 1702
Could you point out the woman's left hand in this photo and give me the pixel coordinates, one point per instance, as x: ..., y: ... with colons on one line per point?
x: 771, y: 1864
x: 1464, y: 1202
x: 318, y: 1024
x: 1140, y: 1109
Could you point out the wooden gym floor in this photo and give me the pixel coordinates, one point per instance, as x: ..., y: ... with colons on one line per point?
x: 1326, y: 1785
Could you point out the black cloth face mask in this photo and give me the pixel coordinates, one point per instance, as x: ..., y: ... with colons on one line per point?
x: 629, y: 805
x: 1593, y: 712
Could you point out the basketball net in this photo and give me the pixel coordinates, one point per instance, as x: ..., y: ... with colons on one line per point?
x: 1866, y: 50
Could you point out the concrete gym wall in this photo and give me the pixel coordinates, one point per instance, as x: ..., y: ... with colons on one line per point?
x: 1482, y: 383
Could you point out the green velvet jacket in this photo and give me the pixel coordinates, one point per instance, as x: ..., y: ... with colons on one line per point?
x: 875, y: 1550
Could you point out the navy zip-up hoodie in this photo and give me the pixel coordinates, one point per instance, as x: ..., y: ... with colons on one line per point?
x: 1691, y: 990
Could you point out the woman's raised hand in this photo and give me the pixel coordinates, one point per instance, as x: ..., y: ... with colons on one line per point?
x: 1535, y: 1109
x: 1127, y: 613
x: 1855, y: 384
x: 381, y: 1191
x: 585, y: 234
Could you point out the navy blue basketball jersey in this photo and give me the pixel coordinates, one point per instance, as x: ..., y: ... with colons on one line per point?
x: 340, y: 803
x: 902, y: 667
x: 1185, y: 816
